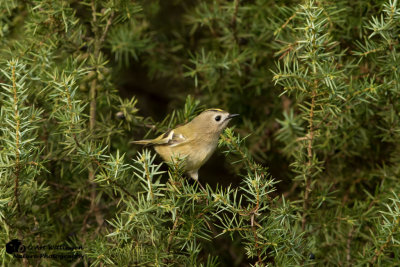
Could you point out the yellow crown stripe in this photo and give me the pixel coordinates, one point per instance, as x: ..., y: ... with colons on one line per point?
x: 215, y: 109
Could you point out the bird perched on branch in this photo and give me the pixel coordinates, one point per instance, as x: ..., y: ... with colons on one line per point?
x: 194, y: 141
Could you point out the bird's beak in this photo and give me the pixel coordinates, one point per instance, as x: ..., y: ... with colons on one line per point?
x: 230, y: 116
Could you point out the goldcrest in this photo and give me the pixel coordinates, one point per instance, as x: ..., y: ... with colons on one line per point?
x: 194, y: 141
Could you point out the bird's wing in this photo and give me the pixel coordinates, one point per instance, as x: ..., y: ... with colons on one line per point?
x: 170, y: 138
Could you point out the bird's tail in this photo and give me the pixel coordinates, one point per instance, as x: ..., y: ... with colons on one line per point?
x: 143, y: 142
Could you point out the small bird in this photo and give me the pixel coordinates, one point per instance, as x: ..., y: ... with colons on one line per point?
x: 194, y: 141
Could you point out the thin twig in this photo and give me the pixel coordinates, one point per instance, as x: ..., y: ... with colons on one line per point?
x: 288, y: 20
x: 109, y: 21
x: 291, y: 190
x: 93, y: 104
x: 114, y: 182
x: 148, y: 176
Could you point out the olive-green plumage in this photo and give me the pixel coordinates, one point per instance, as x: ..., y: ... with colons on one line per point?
x: 194, y: 141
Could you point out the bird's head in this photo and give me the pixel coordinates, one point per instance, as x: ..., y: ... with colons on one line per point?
x: 212, y: 120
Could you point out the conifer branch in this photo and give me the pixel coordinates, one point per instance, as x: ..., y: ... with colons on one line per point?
x: 337, y: 140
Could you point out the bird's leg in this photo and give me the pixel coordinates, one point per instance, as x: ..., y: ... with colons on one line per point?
x: 195, y: 176
x: 201, y: 186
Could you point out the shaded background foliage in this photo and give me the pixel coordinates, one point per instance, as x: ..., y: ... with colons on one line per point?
x: 314, y: 181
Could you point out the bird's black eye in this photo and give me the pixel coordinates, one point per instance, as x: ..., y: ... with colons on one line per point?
x: 218, y: 118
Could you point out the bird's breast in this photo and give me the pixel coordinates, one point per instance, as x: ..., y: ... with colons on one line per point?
x: 196, y: 153
x: 200, y: 156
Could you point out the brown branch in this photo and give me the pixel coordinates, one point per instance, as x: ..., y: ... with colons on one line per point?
x: 253, y: 223
x: 97, y: 45
x: 233, y: 21
x: 17, y: 144
x: 94, y: 15
x: 171, y: 236
x: 69, y: 106
x: 93, y: 104
x: 253, y: 229
x: 310, y: 156
x: 348, y: 251
x: 93, y: 86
